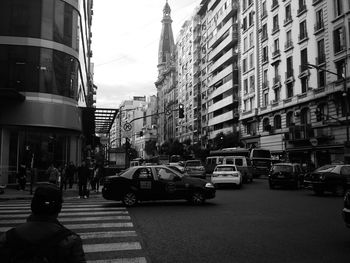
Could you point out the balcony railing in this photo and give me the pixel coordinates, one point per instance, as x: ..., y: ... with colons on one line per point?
x: 303, y: 68
x: 276, y: 80
x: 264, y: 37
x: 275, y: 29
x: 263, y: 14
x: 265, y: 84
x: 287, y: 20
x: 274, y: 4
x: 276, y: 53
x: 303, y: 36
x: 318, y: 26
x: 301, y: 10
x: 288, y: 44
x: 321, y: 58
x: 289, y: 74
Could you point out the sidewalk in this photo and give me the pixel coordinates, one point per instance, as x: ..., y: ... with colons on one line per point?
x: 14, y: 194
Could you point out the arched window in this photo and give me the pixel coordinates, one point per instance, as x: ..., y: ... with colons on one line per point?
x: 323, y: 112
x: 290, y: 119
x: 277, y: 123
x: 266, y: 124
x: 305, y: 116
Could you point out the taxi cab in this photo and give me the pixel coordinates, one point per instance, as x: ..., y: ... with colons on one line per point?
x: 156, y: 182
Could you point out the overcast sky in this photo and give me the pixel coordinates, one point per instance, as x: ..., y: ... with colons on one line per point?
x: 125, y: 43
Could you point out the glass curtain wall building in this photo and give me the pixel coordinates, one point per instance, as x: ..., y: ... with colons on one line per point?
x: 45, y: 79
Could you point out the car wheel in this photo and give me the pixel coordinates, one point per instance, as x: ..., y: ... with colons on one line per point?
x: 197, y: 198
x: 339, y: 190
x: 129, y: 199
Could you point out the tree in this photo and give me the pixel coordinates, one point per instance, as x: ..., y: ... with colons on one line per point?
x: 176, y: 148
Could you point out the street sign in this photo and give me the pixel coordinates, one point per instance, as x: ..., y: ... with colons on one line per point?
x: 127, y: 126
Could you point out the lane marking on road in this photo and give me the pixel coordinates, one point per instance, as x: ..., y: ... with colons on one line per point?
x: 120, y: 260
x: 87, y: 209
x: 85, y: 226
x: 26, y: 206
x: 109, y: 234
x: 62, y: 215
x: 68, y: 219
x: 107, y: 247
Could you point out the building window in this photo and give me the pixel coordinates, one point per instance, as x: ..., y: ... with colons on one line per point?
x: 319, y: 20
x: 305, y: 116
x: 339, y: 65
x: 251, y: 39
x: 289, y: 63
x: 289, y: 87
x: 275, y: 25
x: 265, y: 54
x: 276, y: 45
x: 252, y: 84
x: 266, y: 99
x: 265, y: 82
x: 290, y: 119
x: 244, y: 65
x: 251, y: 60
x: 245, y: 44
x: 277, y: 122
x: 266, y: 124
x: 288, y: 14
x: 321, y: 57
x: 251, y: 18
x: 304, y: 84
x: 264, y: 32
x: 338, y: 7
x: 338, y: 40
x: 303, y: 60
x: 277, y: 94
x: 321, y: 79
x: 245, y: 84
x: 302, y: 31
x: 324, y: 112
x: 244, y: 23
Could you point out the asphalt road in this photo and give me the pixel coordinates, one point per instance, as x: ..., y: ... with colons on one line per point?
x: 252, y: 224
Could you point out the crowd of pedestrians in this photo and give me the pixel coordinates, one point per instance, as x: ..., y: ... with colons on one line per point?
x: 86, y: 177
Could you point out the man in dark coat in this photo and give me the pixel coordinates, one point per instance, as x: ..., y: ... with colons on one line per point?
x: 83, y: 177
x: 41, y: 228
x: 70, y: 174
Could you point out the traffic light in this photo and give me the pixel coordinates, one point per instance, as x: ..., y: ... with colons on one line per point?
x: 318, y: 114
x: 181, y: 111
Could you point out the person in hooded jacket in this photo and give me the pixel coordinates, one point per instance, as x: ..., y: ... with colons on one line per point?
x: 41, y: 230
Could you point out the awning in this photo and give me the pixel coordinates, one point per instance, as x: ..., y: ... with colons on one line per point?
x: 104, y: 119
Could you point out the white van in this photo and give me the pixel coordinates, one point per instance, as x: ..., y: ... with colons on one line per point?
x: 243, y: 165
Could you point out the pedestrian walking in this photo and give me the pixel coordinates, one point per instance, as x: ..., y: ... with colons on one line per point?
x: 22, y: 177
x: 70, y: 172
x: 53, y: 174
x: 97, y: 177
x: 83, y: 178
x: 63, y: 177
x: 42, y: 238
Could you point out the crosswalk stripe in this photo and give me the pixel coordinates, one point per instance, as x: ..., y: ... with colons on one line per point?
x: 71, y: 209
x: 96, y: 225
x: 61, y: 215
x: 107, y: 247
x: 68, y: 219
x: 26, y: 206
x: 109, y: 234
x: 120, y: 260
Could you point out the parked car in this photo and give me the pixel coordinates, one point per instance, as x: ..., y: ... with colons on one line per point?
x: 243, y: 165
x: 346, y: 209
x: 195, y: 168
x: 285, y: 174
x: 155, y: 182
x: 333, y: 178
x: 224, y: 174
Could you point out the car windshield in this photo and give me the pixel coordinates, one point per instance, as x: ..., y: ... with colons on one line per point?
x: 261, y: 154
x: 282, y: 168
x: 194, y: 163
x: 325, y: 168
x: 225, y: 169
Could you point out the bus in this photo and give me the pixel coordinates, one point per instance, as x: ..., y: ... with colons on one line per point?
x: 261, y: 161
x: 260, y: 158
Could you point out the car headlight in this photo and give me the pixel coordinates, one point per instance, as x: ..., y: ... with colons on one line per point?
x: 322, y: 177
x: 209, y: 185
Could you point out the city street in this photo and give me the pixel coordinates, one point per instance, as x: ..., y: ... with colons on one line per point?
x: 252, y: 224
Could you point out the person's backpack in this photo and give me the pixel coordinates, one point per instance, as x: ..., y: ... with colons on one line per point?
x: 44, y: 252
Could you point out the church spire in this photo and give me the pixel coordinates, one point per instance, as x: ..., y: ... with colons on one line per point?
x: 166, y: 43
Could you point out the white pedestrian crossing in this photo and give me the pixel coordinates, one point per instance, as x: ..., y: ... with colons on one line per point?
x: 106, y: 230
